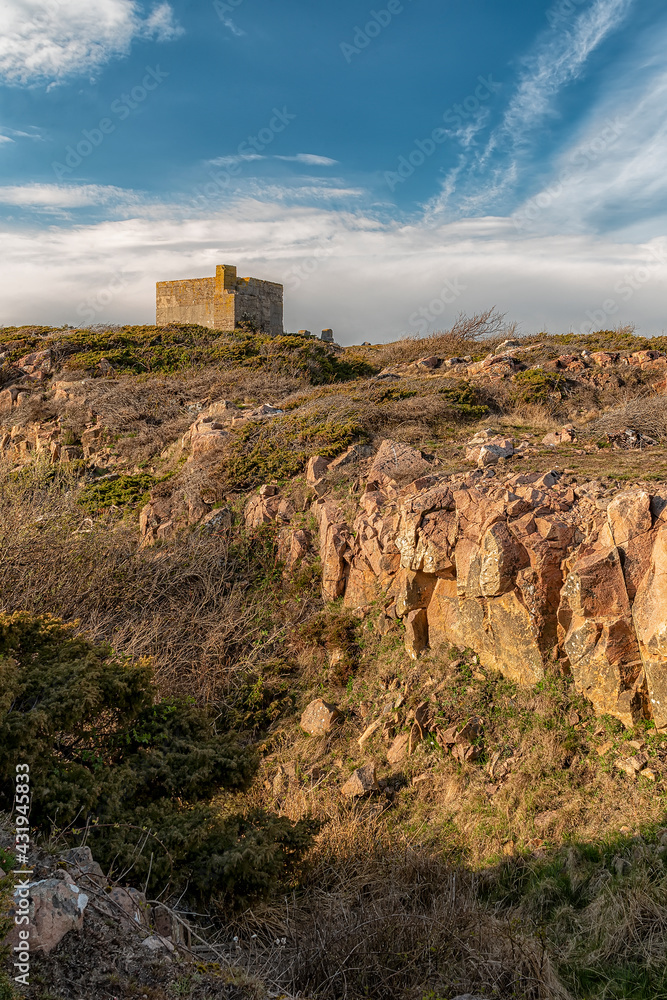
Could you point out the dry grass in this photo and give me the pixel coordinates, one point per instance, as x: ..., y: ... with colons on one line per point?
x: 646, y: 415
x: 384, y: 918
x: 200, y: 606
x: 464, y: 338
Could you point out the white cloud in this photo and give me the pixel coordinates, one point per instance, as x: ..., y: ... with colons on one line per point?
x: 610, y: 175
x: 57, y: 196
x: 312, y: 159
x: 366, y: 279
x: 47, y: 42
x: 228, y: 23
x: 230, y: 161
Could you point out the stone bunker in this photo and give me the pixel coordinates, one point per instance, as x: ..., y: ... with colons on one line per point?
x: 224, y: 302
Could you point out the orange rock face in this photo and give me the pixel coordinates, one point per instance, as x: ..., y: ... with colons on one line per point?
x: 525, y: 572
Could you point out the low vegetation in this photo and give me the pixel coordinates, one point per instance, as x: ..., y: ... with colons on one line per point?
x: 140, y: 773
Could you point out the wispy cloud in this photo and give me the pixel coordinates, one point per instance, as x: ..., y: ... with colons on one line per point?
x: 231, y: 161
x: 558, y: 59
x: 48, y: 43
x: 610, y: 176
x: 234, y: 28
x: 312, y: 159
x: 309, y: 159
x: 12, y: 134
x: 59, y: 196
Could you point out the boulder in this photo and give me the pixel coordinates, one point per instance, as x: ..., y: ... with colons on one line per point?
x: 293, y: 547
x: 265, y: 508
x: 82, y: 866
x: 650, y: 621
x: 630, y: 523
x: 507, y: 345
x: 218, y: 519
x: 429, y: 363
x: 362, y: 781
x: 411, y: 591
x: 335, y: 549
x: 155, y: 944
x: 564, y: 436
x: 56, y: 907
x: 356, y: 453
x: 399, y: 749
x: 501, y: 556
x: 319, y: 718
x: 8, y: 399
x: 604, y: 358
x: 396, y: 461
x: 491, y: 453
x: 38, y: 361
x: 316, y: 469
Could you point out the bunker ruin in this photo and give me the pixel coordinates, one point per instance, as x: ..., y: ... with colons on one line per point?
x: 224, y: 302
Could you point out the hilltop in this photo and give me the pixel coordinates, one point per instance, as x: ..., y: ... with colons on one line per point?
x: 419, y: 587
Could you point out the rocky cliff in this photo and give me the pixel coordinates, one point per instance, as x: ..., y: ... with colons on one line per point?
x: 530, y: 571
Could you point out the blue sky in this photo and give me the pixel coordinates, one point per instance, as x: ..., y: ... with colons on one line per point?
x: 393, y: 165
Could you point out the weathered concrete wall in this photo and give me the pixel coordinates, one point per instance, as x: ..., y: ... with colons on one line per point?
x: 221, y: 303
x: 260, y: 303
x: 188, y: 301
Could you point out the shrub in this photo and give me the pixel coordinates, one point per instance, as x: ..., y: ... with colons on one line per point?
x: 466, y: 401
x: 125, y: 491
x: 537, y: 386
x: 141, y: 350
x: 146, y: 775
x: 280, y: 448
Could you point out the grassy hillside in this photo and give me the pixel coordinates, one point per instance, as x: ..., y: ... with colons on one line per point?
x: 533, y: 868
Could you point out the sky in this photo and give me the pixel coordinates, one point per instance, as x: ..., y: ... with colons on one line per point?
x: 394, y: 166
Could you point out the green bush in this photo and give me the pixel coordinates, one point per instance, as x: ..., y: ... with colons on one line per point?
x: 125, y: 491
x: 537, y: 386
x: 466, y: 401
x: 150, y: 777
x: 280, y: 448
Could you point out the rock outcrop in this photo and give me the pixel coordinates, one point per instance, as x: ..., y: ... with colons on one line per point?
x: 526, y: 571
